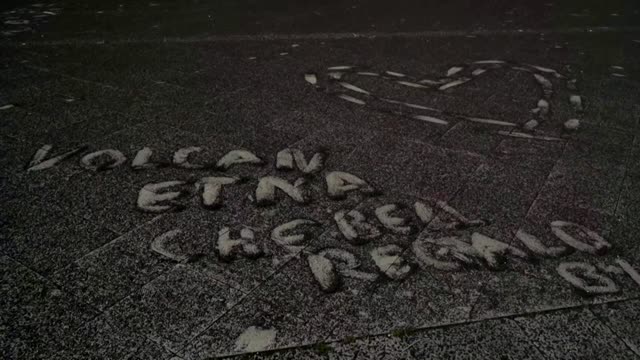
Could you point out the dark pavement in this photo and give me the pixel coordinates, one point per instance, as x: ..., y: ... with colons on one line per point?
x: 346, y: 180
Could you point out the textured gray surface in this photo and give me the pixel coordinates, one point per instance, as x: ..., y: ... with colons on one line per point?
x: 85, y: 275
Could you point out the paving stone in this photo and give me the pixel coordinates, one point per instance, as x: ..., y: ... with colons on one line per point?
x: 119, y: 268
x: 98, y: 339
x: 295, y: 290
x: 622, y: 319
x: 175, y: 307
x: 379, y: 347
x: 412, y: 168
x: 440, y: 298
x: 469, y: 136
x: 34, y: 125
x: 632, y: 166
x: 599, y: 148
x: 253, y: 325
x: 435, y: 183
x: 73, y: 102
x: 612, y: 105
x: 337, y: 143
x: 414, y: 129
x: 374, y: 347
x: 580, y: 187
x: 37, y: 316
x: 90, y: 128
x: 295, y: 353
x: 13, y: 122
x: 151, y: 351
x: 573, y: 335
x: 529, y: 288
x: 100, y: 198
x: 501, y: 195
x: 499, y: 339
x: 52, y: 241
x: 529, y: 153
x: 384, y: 307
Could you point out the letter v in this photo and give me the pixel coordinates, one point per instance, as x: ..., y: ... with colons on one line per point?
x: 38, y: 161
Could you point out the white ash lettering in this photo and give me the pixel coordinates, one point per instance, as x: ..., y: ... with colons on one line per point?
x: 372, y: 241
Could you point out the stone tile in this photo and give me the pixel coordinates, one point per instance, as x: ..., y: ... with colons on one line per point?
x: 623, y: 230
x: 529, y: 153
x: 442, y: 172
x: 119, y: 268
x: 613, y: 106
x: 36, y: 316
x: 175, y: 307
x: 100, y: 198
x: 251, y: 326
x: 22, y: 84
x: 152, y: 351
x: 46, y: 238
x: 14, y: 156
x: 295, y: 290
x: 323, y: 352
x: 13, y: 123
x: 628, y: 200
x: 529, y: 287
x: 501, y: 195
x: 440, y: 298
x: 28, y: 211
x: 337, y: 143
x: 577, y: 186
x: 35, y: 125
x: 632, y: 164
x: 573, y: 334
x: 98, y: 339
x: 90, y: 128
x: 622, y: 319
x: 495, y: 339
x: 599, y: 148
x: 412, y: 168
x: 403, y: 125
x: 69, y: 97
x: 472, y: 137
x: 383, y: 307
x: 383, y: 347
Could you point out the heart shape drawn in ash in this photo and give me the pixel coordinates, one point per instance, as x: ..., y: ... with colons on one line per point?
x: 337, y: 84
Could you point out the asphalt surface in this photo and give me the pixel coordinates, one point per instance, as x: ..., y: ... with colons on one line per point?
x: 153, y: 156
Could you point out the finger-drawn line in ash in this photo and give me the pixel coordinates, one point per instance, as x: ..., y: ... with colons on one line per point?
x: 337, y: 83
